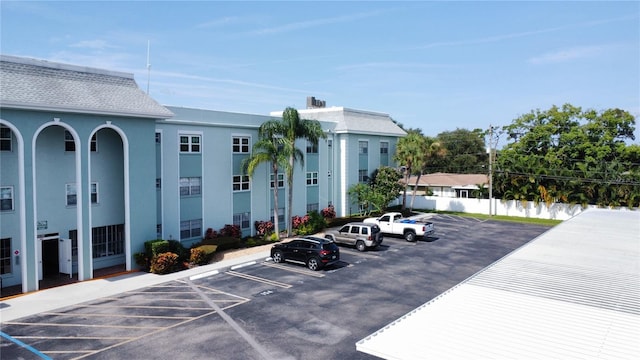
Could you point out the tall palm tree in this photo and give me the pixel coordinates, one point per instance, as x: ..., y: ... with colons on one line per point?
x: 293, y: 128
x: 431, y: 149
x: 269, y: 149
x: 408, y: 154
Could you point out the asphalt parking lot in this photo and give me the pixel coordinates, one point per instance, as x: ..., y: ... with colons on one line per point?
x: 270, y: 311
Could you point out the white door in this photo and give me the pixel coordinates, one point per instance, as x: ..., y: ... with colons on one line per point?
x: 64, y: 257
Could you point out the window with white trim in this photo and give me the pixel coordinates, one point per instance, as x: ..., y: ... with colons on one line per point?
x: 280, y: 180
x: 5, y: 256
x: 242, y: 220
x: 190, y: 229
x: 6, y: 198
x: 240, y: 144
x: 363, y: 176
x: 158, y: 138
x: 70, y: 145
x: 72, y: 195
x: 280, y: 215
x: 312, y: 178
x: 190, y: 186
x: 5, y: 138
x: 363, y: 147
x: 94, y: 193
x: 312, y: 148
x: 384, y: 147
x: 189, y: 143
x: 107, y: 240
x: 240, y: 182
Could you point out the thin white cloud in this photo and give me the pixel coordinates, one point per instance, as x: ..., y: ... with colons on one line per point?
x: 571, y: 54
x: 313, y: 23
x: 92, y: 44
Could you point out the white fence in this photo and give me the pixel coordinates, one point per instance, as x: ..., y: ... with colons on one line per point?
x: 509, y: 208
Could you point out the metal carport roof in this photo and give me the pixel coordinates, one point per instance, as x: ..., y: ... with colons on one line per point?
x: 573, y: 292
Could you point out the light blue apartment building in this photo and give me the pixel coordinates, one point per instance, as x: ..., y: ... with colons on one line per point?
x: 91, y: 167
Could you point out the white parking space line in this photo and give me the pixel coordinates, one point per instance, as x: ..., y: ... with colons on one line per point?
x: 258, y: 279
x: 204, y: 275
x: 295, y: 270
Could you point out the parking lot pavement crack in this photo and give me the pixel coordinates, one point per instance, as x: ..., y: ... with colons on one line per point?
x: 248, y: 338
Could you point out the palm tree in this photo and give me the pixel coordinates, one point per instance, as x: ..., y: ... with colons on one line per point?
x: 431, y: 149
x: 269, y: 149
x: 408, y: 154
x: 292, y: 128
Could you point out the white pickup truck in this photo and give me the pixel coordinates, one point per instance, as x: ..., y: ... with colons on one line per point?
x: 410, y: 228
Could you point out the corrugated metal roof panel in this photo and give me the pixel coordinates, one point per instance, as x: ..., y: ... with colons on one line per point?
x: 574, y: 292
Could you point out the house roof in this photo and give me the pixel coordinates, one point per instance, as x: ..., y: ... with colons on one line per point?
x: 449, y: 180
x: 571, y: 293
x: 42, y: 85
x: 352, y: 121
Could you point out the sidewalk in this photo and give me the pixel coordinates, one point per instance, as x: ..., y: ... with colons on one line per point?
x: 76, y: 293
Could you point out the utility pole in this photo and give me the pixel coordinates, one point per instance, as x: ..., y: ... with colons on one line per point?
x: 490, y: 170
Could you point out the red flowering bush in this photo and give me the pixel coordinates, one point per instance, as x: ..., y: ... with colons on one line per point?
x: 329, y: 212
x: 263, y: 227
x: 298, y: 221
x: 231, y: 231
x: 210, y: 234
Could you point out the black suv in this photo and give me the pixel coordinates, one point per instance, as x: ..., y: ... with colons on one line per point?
x: 314, y: 252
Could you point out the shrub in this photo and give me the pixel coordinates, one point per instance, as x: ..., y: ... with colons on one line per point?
x: 198, y: 256
x: 263, y: 228
x: 309, y: 224
x: 142, y: 260
x: 210, y: 234
x: 164, y: 263
x: 231, y: 231
x: 329, y: 212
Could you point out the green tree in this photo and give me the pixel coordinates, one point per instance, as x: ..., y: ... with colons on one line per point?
x: 269, y: 149
x: 465, y: 152
x: 383, y: 187
x: 292, y: 128
x: 570, y: 155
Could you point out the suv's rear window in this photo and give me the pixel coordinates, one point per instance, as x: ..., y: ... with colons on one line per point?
x: 329, y: 246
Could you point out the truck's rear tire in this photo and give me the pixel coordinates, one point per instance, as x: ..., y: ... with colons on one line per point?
x: 410, y: 236
x: 360, y: 245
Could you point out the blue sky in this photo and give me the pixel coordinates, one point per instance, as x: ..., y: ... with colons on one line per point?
x: 437, y: 66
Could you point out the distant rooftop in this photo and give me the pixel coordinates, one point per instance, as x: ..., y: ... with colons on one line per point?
x: 33, y: 84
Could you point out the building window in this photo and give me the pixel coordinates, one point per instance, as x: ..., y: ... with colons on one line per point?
x: 190, y: 229
x: 242, y: 220
x: 313, y: 207
x: 94, y: 193
x: 384, y: 147
x: 280, y: 181
x: 362, y: 176
x: 280, y: 215
x: 107, y: 240
x: 94, y: 142
x: 5, y: 138
x: 158, y: 138
x: 6, y: 198
x: 363, y: 147
x: 189, y: 186
x: 312, y: 178
x: 240, y: 144
x: 72, y: 198
x: 312, y: 148
x: 240, y: 182
x: 158, y: 183
x: 70, y: 145
x: 5, y: 256
x: 159, y: 231
x: 73, y: 235
x: 189, y: 143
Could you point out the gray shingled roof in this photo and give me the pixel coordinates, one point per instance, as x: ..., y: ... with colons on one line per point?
x: 42, y: 85
x: 353, y: 121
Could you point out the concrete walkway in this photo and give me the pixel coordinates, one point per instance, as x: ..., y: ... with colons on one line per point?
x: 76, y: 293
